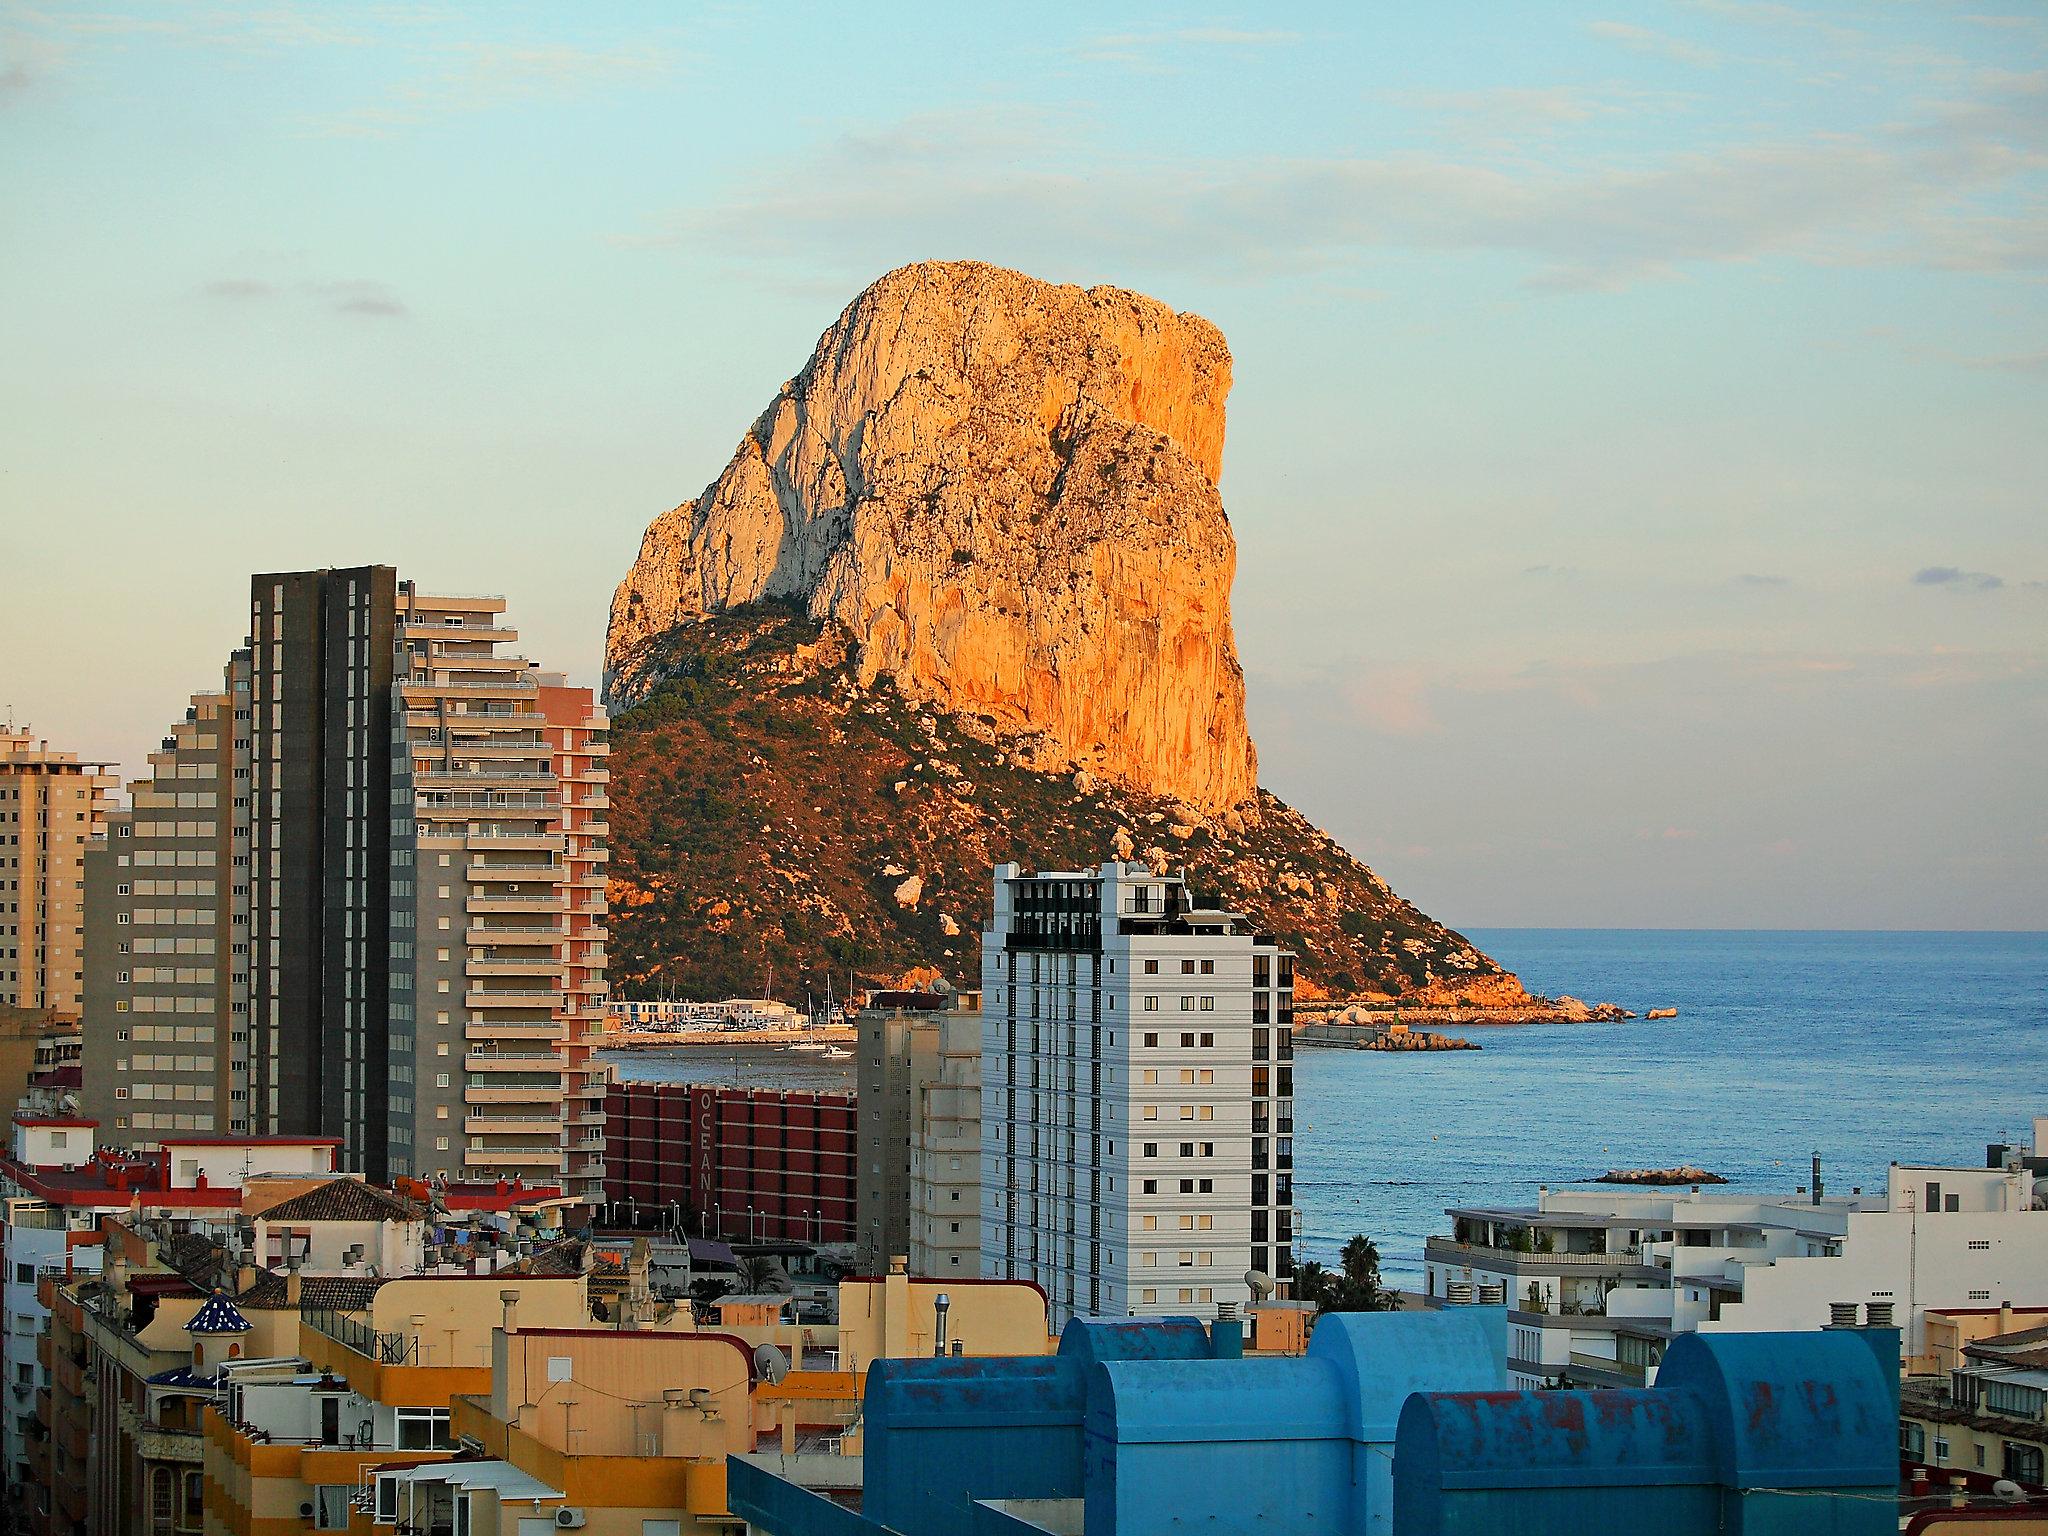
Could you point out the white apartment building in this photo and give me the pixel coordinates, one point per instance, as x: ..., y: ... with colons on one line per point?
x: 1616, y: 1271
x: 1137, y: 1121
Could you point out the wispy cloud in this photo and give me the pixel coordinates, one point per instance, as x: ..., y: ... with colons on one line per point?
x: 470, y: 76
x: 1029, y: 184
x: 238, y: 288
x: 358, y: 298
x: 1658, y: 44
x: 362, y: 299
x: 1151, y: 49
x: 1956, y: 579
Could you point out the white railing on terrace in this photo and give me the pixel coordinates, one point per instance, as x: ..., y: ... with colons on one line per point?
x: 1452, y: 1247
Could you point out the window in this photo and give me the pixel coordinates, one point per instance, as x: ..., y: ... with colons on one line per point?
x: 424, y: 1429
x: 1208, y: 967
x: 1149, y: 1187
x: 1151, y: 1039
x: 1151, y: 1005
x: 1151, y: 967
x: 1151, y: 1076
x: 1187, y: 1040
x: 330, y: 1506
x: 1208, y: 1005
x: 1187, y: 967
x: 1151, y: 1149
x: 1187, y: 1004
x: 1151, y: 1112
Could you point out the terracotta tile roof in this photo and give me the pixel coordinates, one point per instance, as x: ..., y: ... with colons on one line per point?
x: 317, y: 1293
x: 345, y: 1200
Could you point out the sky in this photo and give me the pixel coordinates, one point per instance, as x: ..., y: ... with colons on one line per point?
x: 1639, y: 445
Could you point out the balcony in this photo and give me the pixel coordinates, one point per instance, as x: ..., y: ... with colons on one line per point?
x: 1447, y: 1251
x: 510, y: 965
x: 480, y: 777
x: 502, y: 802
x: 417, y: 686
x: 497, y: 902
x: 545, y: 1090
x: 433, y: 629
x: 509, y: 1125
x: 505, y: 1061
x: 540, y: 873
x: 513, y: 1029
x: 488, y: 1000
x: 535, y: 933
x: 495, y: 1155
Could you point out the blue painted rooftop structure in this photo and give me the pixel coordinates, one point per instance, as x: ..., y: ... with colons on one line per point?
x: 1393, y: 1424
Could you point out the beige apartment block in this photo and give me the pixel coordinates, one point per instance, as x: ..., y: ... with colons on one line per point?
x: 945, y: 1154
x: 165, y: 990
x: 909, y: 1067
x: 51, y: 807
x: 498, y: 877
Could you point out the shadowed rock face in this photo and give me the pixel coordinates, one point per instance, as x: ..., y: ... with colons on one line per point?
x: 1003, y: 491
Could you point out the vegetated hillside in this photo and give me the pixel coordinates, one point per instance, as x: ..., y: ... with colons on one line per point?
x: 771, y: 816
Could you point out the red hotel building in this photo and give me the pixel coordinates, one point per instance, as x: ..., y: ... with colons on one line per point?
x: 747, y: 1164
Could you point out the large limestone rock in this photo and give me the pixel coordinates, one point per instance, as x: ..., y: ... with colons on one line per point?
x: 1004, y: 492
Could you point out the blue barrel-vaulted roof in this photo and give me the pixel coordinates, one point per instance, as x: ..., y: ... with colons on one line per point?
x: 1790, y: 1410
x: 1149, y: 1338
x: 1384, y: 1356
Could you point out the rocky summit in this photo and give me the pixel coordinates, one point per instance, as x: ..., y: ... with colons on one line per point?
x: 1004, y: 492
x: 962, y: 595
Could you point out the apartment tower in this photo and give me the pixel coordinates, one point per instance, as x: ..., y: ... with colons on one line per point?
x: 408, y: 954
x: 917, y: 1067
x: 51, y: 806
x: 166, y: 974
x: 1137, y: 1121
x: 322, y: 646
x: 498, y: 850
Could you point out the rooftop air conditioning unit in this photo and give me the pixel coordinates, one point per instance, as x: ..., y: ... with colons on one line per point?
x: 569, y: 1518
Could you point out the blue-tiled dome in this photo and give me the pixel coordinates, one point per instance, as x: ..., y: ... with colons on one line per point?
x: 219, y: 1315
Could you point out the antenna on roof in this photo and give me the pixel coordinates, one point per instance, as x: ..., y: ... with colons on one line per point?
x: 1260, y: 1283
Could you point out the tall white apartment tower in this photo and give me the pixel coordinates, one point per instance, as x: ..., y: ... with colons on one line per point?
x: 1137, y: 1111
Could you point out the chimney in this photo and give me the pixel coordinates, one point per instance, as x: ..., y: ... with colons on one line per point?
x: 511, y: 1301
x: 2005, y: 1317
x: 293, y: 1282
x: 1816, y: 1176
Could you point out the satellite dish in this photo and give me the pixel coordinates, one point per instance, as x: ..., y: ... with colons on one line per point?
x: 1261, y: 1284
x: 770, y: 1363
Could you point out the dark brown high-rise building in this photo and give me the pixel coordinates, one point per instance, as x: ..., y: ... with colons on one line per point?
x: 321, y: 651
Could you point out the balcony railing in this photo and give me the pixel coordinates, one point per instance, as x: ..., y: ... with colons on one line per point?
x: 1449, y: 1248
x: 353, y: 1333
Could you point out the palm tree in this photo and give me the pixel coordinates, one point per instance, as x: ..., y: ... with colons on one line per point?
x: 757, y: 1273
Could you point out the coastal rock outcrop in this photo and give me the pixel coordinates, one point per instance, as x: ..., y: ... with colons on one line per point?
x: 1004, y: 492
x: 963, y: 595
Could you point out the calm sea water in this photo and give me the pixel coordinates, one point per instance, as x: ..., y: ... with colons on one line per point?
x: 1866, y: 1047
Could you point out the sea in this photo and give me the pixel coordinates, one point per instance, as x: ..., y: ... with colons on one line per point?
x: 1867, y: 1048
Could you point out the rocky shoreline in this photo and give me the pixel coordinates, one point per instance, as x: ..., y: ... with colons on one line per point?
x: 1538, y: 1010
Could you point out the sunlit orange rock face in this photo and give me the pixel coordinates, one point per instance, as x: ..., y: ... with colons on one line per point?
x: 1004, y: 492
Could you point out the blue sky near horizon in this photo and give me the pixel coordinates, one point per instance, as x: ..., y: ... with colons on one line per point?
x: 1637, y: 448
